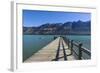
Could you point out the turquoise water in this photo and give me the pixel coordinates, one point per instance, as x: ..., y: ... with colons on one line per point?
x: 33, y: 43
x: 85, y: 40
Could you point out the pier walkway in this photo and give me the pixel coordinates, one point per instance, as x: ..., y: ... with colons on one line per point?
x: 56, y: 50
x: 60, y: 49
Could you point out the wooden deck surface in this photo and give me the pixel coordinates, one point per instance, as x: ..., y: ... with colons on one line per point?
x: 48, y: 53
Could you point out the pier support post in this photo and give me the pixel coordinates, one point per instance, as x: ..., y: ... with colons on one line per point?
x: 80, y: 51
x: 71, y: 47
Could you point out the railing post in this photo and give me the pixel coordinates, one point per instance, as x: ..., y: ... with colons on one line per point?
x: 71, y: 46
x: 80, y: 51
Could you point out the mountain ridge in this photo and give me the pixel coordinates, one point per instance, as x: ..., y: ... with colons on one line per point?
x: 75, y: 27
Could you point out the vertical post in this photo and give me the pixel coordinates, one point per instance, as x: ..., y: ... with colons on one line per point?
x: 80, y: 51
x: 71, y: 46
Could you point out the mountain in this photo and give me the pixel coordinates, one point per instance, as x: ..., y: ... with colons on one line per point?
x: 78, y: 27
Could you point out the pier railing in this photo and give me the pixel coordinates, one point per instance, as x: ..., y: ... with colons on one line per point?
x: 79, y: 46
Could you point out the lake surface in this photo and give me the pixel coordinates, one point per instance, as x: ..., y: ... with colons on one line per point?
x: 85, y: 40
x: 33, y: 43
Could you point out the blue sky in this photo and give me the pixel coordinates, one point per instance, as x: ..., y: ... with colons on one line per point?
x: 37, y: 18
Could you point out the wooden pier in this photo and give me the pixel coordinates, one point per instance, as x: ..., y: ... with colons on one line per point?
x: 61, y: 49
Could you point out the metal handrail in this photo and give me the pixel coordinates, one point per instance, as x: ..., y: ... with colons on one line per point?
x: 86, y: 51
x: 79, y: 46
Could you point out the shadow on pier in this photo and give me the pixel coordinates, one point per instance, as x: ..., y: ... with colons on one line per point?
x: 77, y: 54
